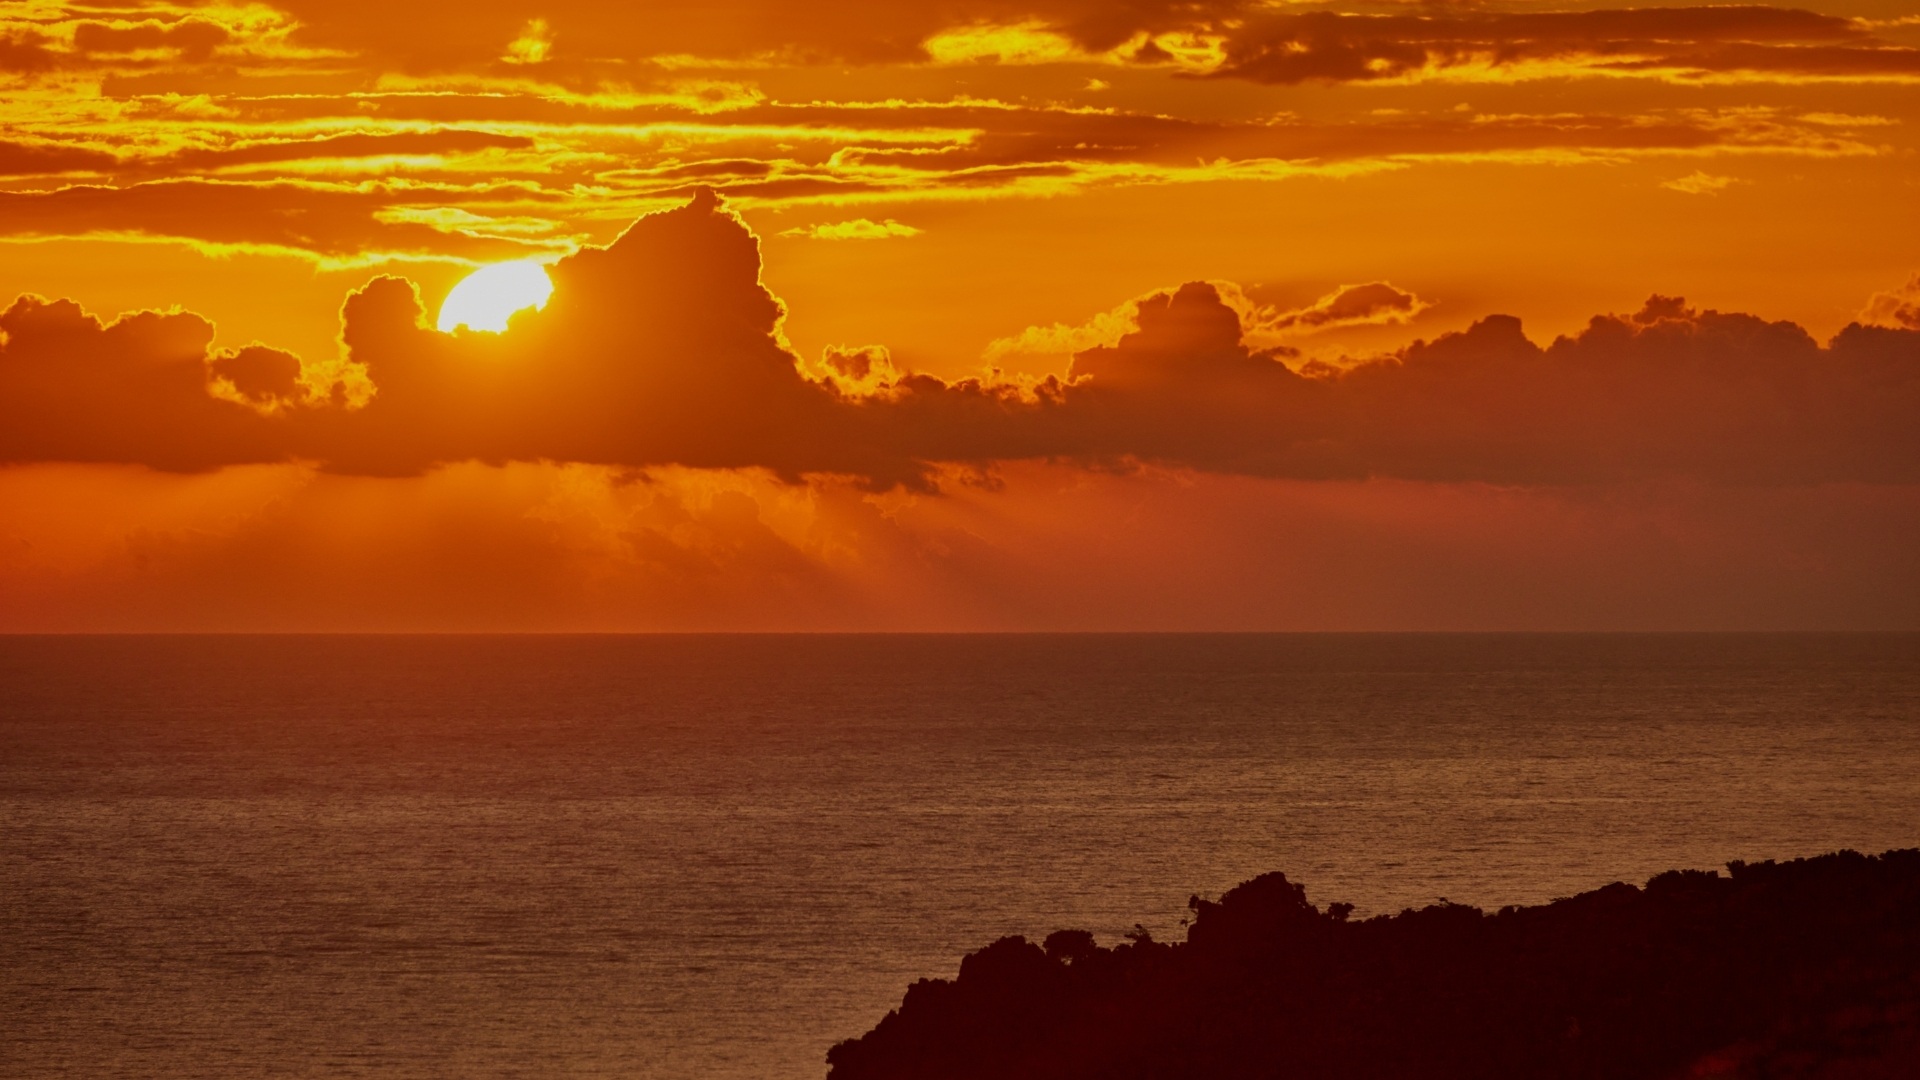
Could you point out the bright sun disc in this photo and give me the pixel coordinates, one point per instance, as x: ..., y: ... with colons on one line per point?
x: 486, y: 298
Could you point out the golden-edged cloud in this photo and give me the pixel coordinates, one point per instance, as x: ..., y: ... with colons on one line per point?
x: 1706, y: 43
x: 665, y: 349
x: 504, y: 127
x: 651, y: 451
x: 398, y: 184
x: 1350, y: 305
x: 338, y: 224
x: 857, y: 229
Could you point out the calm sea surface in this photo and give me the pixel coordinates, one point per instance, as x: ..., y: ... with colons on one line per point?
x: 714, y: 857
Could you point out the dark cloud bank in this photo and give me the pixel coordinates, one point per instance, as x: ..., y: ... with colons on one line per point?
x: 1802, y: 969
x: 1262, y: 43
x: 663, y: 348
x: 1702, y: 41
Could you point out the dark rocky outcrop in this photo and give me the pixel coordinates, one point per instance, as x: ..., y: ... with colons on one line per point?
x: 1809, y: 968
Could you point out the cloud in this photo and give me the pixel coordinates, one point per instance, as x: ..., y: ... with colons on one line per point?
x: 443, y: 142
x: 1688, y: 43
x: 26, y: 51
x: 1031, y: 42
x: 139, y: 389
x: 723, y: 32
x: 329, y: 223
x: 665, y: 348
x: 465, y: 175
x: 264, y: 378
x: 1228, y: 38
x: 1899, y: 308
x: 859, y: 371
x: 1350, y: 305
x: 23, y: 158
x: 1062, y: 339
x: 533, y: 46
x: 561, y: 138
x: 191, y: 39
x: 55, y: 40
x: 857, y: 229
x: 530, y: 547
x: 1701, y: 183
x: 1373, y: 303
x: 1666, y: 391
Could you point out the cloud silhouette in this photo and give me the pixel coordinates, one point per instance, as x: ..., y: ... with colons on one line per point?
x: 664, y: 348
x: 1259, y: 43
x: 1667, y: 391
x: 1899, y: 308
x: 1352, y: 305
x: 1753, y: 42
x: 661, y: 348
x: 135, y: 390
x: 329, y: 222
x: 23, y: 158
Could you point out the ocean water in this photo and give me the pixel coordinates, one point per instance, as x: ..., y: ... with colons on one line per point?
x: 715, y: 856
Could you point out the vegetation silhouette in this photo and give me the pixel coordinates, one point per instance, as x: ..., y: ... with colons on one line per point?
x: 1809, y: 968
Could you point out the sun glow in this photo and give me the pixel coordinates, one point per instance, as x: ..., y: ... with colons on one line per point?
x: 488, y: 297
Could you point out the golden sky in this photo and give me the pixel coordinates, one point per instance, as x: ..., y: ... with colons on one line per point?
x: 989, y: 314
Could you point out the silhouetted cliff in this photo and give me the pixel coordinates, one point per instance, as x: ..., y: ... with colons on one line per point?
x: 1808, y: 968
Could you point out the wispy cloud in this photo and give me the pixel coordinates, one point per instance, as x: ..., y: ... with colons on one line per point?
x: 1701, y: 183
x: 857, y: 229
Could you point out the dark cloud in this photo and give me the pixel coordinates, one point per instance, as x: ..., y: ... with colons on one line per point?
x: 18, y: 158
x: 193, y: 39
x: 1666, y: 391
x: 832, y: 31
x: 435, y: 187
x: 1765, y: 41
x: 48, y: 158
x: 341, y: 221
x: 354, y: 145
x: 664, y: 348
x: 1897, y: 308
x: 1261, y: 44
x: 266, y: 378
x: 659, y: 349
x: 135, y: 390
x: 27, y: 52
x: 1374, y: 302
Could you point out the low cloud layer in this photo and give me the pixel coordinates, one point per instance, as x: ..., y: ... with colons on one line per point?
x: 665, y: 349
x: 1043, y: 547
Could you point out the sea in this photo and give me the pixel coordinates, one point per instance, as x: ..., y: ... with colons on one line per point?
x: 716, y: 856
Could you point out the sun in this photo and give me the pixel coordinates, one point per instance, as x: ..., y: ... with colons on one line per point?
x: 486, y: 298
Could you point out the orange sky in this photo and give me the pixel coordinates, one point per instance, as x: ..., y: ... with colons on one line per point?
x: 1054, y: 314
